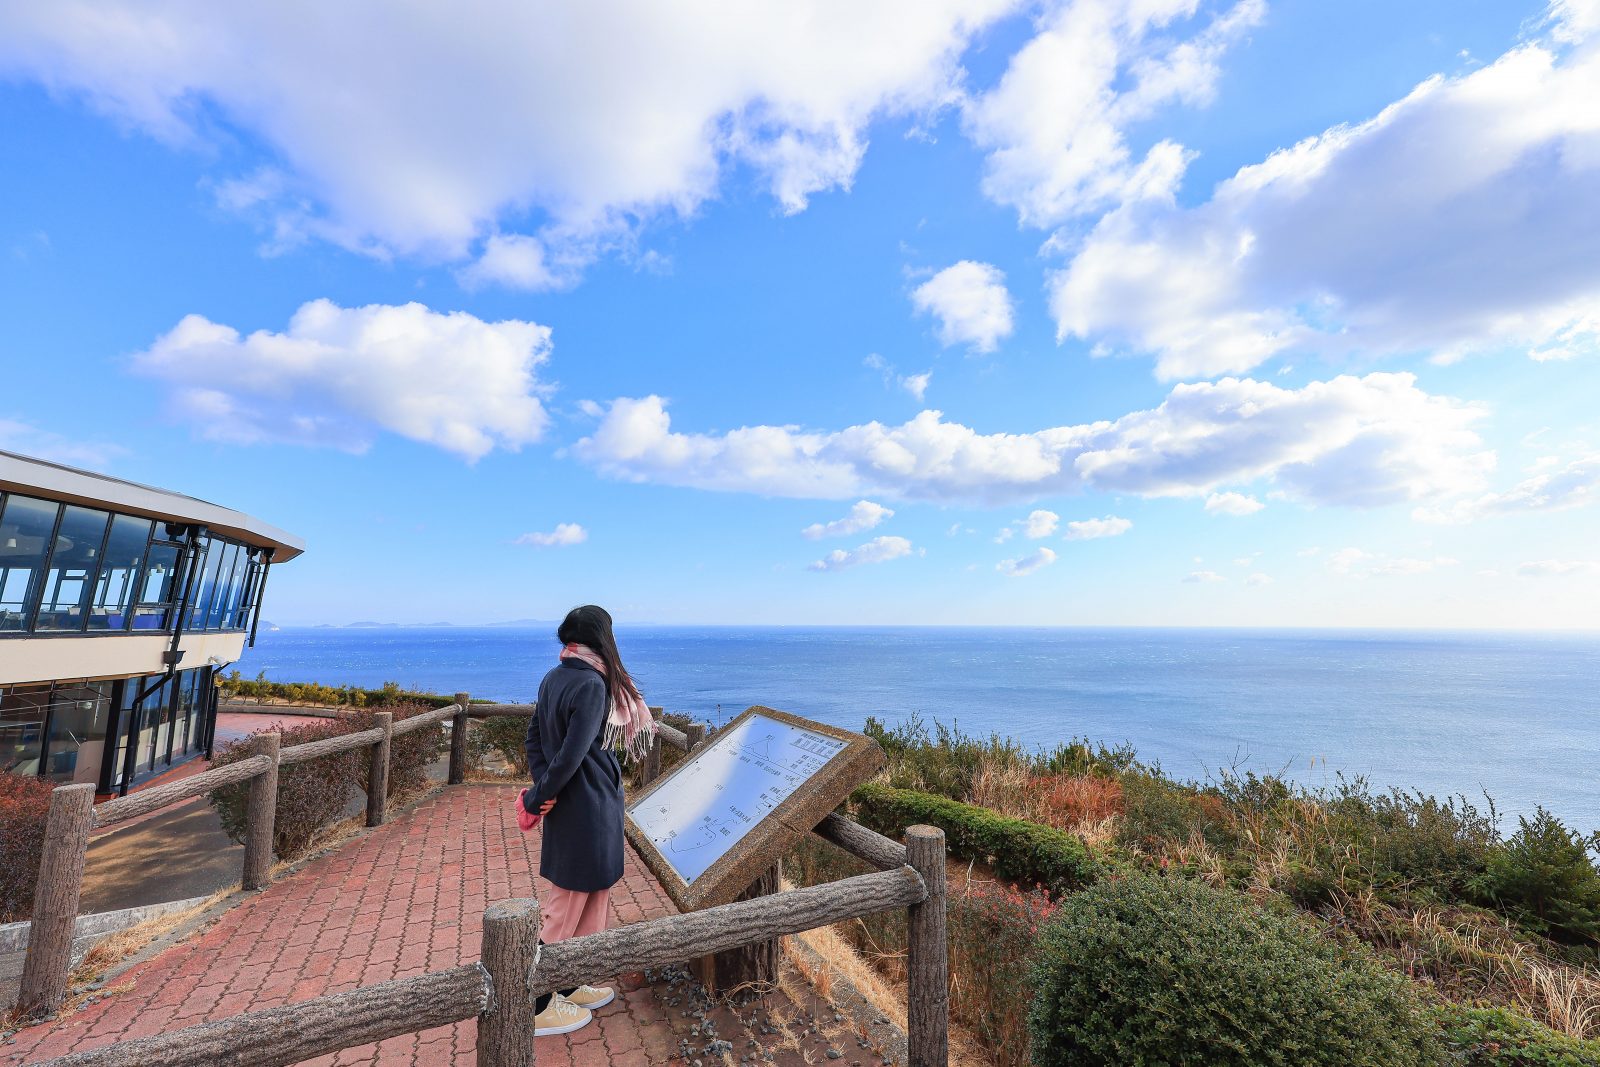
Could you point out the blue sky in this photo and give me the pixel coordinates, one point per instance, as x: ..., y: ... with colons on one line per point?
x: 1083, y: 312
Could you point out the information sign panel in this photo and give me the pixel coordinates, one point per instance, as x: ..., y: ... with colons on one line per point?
x: 731, y: 809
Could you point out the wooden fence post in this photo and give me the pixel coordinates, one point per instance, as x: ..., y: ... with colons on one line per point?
x: 458, y: 741
x: 261, y: 815
x: 651, y: 770
x: 754, y: 964
x: 510, y: 952
x: 55, y: 900
x: 378, y: 770
x: 927, y: 962
x: 696, y: 732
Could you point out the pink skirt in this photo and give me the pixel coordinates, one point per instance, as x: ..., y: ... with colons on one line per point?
x: 565, y: 913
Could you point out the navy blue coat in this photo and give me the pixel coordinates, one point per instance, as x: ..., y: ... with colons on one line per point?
x: 569, y: 761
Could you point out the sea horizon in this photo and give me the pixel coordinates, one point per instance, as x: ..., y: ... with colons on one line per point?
x: 1449, y: 712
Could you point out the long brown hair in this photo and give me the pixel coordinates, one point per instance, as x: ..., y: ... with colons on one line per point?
x: 591, y: 625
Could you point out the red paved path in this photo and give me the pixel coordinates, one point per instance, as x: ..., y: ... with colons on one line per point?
x: 404, y: 899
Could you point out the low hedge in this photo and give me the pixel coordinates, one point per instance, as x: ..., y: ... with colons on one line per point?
x: 24, y: 810
x: 1019, y: 851
x: 1158, y: 972
x: 1495, y: 1037
x: 332, y: 695
x: 316, y: 793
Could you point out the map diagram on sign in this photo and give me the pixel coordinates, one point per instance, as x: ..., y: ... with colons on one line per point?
x: 696, y: 816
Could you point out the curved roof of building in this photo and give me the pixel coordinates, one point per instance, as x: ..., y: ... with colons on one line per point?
x: 38, y: 477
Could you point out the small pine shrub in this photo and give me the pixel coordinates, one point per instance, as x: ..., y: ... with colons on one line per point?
x: 24, y: 810
x: 1544, y: 879
x: 1152, y: 971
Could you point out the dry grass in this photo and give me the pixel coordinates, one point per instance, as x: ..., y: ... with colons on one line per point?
x: 1472, y: 955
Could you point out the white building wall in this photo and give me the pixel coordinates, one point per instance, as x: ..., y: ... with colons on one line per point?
x: 45, y: 659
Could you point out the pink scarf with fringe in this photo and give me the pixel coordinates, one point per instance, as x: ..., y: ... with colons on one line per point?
x: 630, y: 727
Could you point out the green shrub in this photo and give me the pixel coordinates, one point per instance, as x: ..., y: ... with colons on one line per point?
x: 311, y: 794
x: 1021, y: 852
x: 24, y: 810
x: 504, y: 735
x: 1155, y: 971
x: 236, y: 685
x: 1494, y: 1037
x: 1544, y: 879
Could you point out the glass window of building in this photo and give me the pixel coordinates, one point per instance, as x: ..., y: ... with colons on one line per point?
x: 25, y: 528
x: 204, y: 586
x: 76, y: 743
x: 22, y: 719
x: 119, y: 573
x: 158, y: 588
x: 226, y: 577
x: 69, y: 580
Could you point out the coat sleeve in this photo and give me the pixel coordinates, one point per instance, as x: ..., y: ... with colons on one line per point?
x: 587, y: 719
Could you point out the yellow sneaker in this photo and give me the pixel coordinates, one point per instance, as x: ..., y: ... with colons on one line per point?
x: 560, y: 1016
x: 591, y: 997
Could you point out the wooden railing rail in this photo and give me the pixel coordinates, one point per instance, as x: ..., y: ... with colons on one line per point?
x: 500, y: 990
x: 156, y: 797
x: 60, y: 883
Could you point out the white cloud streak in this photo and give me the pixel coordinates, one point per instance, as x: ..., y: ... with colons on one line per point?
x: 24, y: 438
x: 1558, y: 568
x: 337, y: 376
x: 864, y: 515
x: 1094, y: 529
x: 410, y: 129
x: 1235, y: 504
x: 972, y: 304
x: 1462, y: 218
x: 877, y: 550
x: 1034, y: 561
x: 1576, y: 485
x: 1352, y: 441
x: 1055, y: 125
x: 565, y: 533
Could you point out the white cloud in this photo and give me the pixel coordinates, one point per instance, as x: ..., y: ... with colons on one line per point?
x: 1020, y: 568
x: 411, y: 129
x: 565, y: 533
x: 1346, y: 559
x: 1361, y: 564
x: 338, y: 375
x: 917, y: 384
x: 1351, y: 441
x: 1092, y: 529
x: 1257, y: 578
x: 877, y: 550
x: 1006, y: 533
x: 1461, y: 218
x: 1232, y: 504
x: 1547, y: 568
x: 971, y: 302
x: 864, y: 515
x: 1054, y: 126
x: 26, y: 439
x: 1575, y: 485
x: 519, y: 262
x: 1039, y: 524
x: 1204, y: 577
x: 1307, y: 552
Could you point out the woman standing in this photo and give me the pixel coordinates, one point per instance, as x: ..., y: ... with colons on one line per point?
x: 588, y: 706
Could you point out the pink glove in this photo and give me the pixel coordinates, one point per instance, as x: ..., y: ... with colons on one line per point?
x: 526, y: 819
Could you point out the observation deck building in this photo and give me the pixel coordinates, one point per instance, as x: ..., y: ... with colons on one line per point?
x: 120, y: 605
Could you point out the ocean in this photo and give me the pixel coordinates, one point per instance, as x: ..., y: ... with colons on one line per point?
x: 1516, y: 716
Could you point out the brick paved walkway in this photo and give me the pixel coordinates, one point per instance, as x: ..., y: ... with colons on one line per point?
x: 408, y: 898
